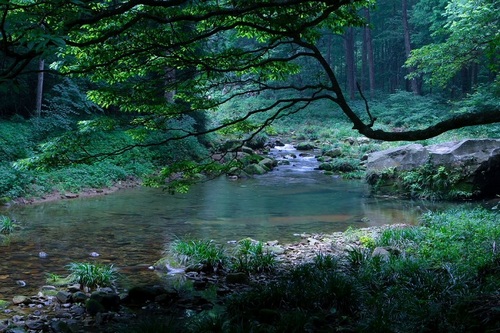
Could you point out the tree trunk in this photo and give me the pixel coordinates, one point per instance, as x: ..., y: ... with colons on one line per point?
x: 169, y: 83
x: 406, y: 29
x: 39, y: 87
x: 369, y: 53
x: 350, y: 65
x: 466, y: 80
x: 364, y: 62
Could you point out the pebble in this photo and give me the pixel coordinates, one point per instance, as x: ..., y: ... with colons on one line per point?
x: 21, y: 283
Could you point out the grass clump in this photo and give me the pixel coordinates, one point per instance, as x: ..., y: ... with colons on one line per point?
x: 248, y: 256
x: 251, y: 257
x: 7, y: 225
x: 433, y: 280
x: 195, y: 252
x: 92, y: 275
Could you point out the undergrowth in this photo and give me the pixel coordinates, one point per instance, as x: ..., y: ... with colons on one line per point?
x: 441, y: 276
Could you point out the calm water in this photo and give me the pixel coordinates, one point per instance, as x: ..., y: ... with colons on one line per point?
x: 132, y: 228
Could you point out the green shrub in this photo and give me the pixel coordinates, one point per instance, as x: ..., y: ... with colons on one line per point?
x: 92, y: 275
x: 429, y: 181
x: 463, y: 237
x: 16, y: 140
x: 193, y: 252
x: 408, y: 238
x: 443, y: 279
x: 13, y: 183
x: 326, y: 262
x: 250, y: 257
x: 7, y: 225
x: 433, y: 182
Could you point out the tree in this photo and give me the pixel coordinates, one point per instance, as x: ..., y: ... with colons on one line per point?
x: 349, y: 46
x: 469, y: 35
x: 368, y: 46
x: 220, y: 50
x: 406, y: 29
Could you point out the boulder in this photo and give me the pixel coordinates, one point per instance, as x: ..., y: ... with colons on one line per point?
x: 336, y: 152
x: 475, y: 163
x: 109, y: 301
x: 255, y: 169
x: 382, y: 253
x: 63, y: 296
x: 247, y: 150
x: 325, y: 166
x: 268, y: 163
x: 79, y: 297
x: 305, y: 146
x: 142, y: 294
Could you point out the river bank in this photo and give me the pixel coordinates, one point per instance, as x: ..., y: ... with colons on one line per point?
x: 131, y: 182
x: 66, y: 309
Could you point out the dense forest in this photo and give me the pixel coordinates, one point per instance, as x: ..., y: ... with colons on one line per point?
x: 128, y: 87
x: 165, y: 93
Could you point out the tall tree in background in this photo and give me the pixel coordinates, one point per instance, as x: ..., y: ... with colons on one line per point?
x: 406, y: 30
x: 368, y: 47
x: 350, y: 62
x: 470, y: 37
x: 233, y: 49
x: 39, y: 87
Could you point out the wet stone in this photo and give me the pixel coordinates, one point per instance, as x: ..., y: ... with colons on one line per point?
x: 77, y: 310
x: 79, y: 297
x: 17, y: 318
x: 20, y: 300
x: 35, y: 324
x: 48, y: 288
x: 63, y: 296
x: 74, y: 288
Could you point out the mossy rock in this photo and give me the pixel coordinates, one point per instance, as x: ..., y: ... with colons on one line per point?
x: 109, y: 301
x: 333, y: 153
x: 94, y: 307
x: 325, y: 167
x: 268, y: 163
x: 4, y: 304
x: 305, y: 146
x: 255, y: 169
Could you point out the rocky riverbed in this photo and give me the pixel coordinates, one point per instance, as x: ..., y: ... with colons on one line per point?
x: 70, y: 309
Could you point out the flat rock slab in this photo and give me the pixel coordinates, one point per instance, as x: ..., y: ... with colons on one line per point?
x: 474, y: 163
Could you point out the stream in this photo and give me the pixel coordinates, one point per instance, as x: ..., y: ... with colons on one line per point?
x: 132, y: 228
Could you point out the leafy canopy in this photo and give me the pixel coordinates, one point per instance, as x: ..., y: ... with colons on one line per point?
x: 164, y: 60
x: 471, y: 33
